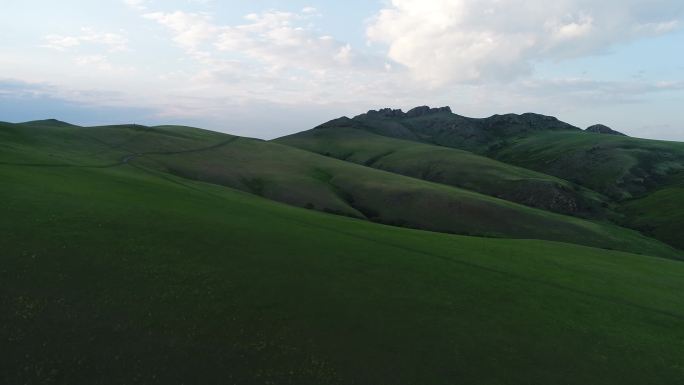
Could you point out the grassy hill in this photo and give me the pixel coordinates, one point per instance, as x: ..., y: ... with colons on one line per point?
x: 451, y: 167
x: 618, y: 166
x: 598, y: 159
x: 615, y: 165
x: 659, y: 214
x: 124, y: 275
x: 308, y: 180
x: 645, y: 176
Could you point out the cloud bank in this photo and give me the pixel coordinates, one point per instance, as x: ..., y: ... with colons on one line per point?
x: 443, y: 41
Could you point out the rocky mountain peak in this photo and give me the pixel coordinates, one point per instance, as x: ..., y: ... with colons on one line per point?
x: 412, y: 113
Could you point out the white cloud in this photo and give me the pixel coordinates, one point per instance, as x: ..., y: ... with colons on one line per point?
x: 102, y: 63
x: 89, y: 60
x: 268, y: 48
x: 114, y: 42
x: 190, y: 29
x: 138, y: 5
x: 277, y: 40
x: 443, y: 41
x: 61, y: 43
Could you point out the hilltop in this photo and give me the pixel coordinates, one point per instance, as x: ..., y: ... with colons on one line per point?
x: 578, y: 172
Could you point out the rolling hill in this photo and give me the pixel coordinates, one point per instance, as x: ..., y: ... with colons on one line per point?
x: 451, y: 167
x: 615, y: 165
x: 616, y: 168
x: 659, y: 214
x: 116, y: 272
x: 307, y: 180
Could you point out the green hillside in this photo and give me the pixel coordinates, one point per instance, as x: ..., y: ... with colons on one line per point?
x: 309, y: 180
x: 113, y: 275
x: 615, y: 165
x: 618, y: 166
x: 450, y: 166
x: 598, y: 159
x: 659, y: 214
x: 645, y: 176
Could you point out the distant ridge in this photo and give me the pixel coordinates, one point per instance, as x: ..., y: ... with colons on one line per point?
x: 50, y: 122
x: 532, y: 120
x: 601, y: 129
x: 413, y: 113
x: 442, y: 127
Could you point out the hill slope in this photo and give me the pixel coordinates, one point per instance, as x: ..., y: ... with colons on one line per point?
x: 659, y: 214
x: 615, y: 166
x: 121, y: 275
x: 449, y: 166
x: 645, y: 176
x: 618, y: 166
x: 309, y: 180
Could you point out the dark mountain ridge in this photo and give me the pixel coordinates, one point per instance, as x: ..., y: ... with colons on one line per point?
x: 442, y: 127
x: 603, y: 129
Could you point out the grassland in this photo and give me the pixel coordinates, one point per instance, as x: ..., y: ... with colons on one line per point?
x: 310, y: 180
x: 122, y: 275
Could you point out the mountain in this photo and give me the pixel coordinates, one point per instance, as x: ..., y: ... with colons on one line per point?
x: 117, y: 268
x: 620, y: 167
x: 442, y: 127
x: 450, y: 167
x: 600, y: 174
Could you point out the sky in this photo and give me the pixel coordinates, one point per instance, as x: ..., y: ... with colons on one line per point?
x: 264, y: 69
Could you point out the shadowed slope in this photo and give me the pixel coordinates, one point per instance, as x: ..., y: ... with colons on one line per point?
x: 451, y: 167
x: 659, y: 214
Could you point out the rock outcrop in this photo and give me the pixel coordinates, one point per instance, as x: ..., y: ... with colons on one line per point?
x: 601, y: 129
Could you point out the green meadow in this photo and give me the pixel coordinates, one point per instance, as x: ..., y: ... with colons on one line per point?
x: 170, y: 255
